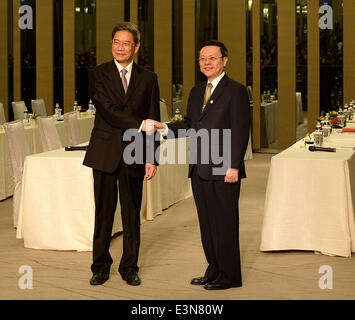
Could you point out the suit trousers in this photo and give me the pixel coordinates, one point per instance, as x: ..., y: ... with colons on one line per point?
x: 217, y: 208
x: 130, y: 196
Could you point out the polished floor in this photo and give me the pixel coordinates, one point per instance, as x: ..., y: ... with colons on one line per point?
x: 171, y: 255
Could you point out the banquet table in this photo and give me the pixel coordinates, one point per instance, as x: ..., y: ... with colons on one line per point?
x: 310, y: 198
x: 86, y: 123
x: 57, y: 206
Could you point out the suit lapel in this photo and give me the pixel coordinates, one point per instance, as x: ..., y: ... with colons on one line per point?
x: 215, y: 95
x: 200, y: 96
x: 134, y: 81
x: 116, y: 81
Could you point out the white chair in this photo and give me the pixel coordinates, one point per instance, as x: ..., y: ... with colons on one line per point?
x: 38, y: 107
x: 18, y: 108
x: 71, y: 123
x: 48, y: 134
x: 163, y: 111
x: 2, y: 114
x: 19, y: 148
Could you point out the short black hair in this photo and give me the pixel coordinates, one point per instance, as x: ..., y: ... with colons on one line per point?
x: 224, y: 50
x: 127, y: 26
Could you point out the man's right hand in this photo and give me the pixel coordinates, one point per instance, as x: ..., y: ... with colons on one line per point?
x: 159, y: 126
x: 150, y: 126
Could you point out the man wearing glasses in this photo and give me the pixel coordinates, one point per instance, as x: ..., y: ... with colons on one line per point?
x: 124, y: 94
x: 219, y: 103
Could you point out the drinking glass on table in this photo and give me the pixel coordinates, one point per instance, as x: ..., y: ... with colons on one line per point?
x: 318, y: 138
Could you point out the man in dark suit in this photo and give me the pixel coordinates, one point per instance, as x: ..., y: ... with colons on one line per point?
x: 222, y: 104
x: 124, y: 94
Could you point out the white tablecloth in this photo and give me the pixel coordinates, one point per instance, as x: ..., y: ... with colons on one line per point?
x: 86, y: 124
x: 57, y: 207
x: 310, y: 199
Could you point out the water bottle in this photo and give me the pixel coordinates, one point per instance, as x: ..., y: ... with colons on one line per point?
x: 26, y: 117
x: 328, y: 123
x: 326, y: 127
x: 56, y: 110
x: 90, y: 109
x: 345, y: 111
x: 275, y: 94
x: 318, y: 135
x: 350, y: 111
x: 263, y: 96
x: 75, y: 108
x: 341, y: 118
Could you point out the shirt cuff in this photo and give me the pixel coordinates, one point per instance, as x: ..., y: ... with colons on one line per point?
x: 140, y: 128
x: 166, y: 130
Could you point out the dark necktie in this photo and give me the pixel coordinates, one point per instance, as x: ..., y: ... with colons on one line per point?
x: 124, y: 80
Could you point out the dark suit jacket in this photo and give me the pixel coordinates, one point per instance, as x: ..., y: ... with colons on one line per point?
x: 117, y: 112
x: 228, y: 108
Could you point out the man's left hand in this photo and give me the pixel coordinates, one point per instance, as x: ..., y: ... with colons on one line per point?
x: 150, y: 170
x: 231, y: 176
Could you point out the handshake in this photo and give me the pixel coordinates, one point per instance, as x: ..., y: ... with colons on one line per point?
x: 150, y: 126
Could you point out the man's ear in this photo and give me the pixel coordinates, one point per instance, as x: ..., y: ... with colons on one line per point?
x: 137, y: 47
x: 225, y: 59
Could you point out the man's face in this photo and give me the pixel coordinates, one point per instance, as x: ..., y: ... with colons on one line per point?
x: 211, y: 62
x: 123, y: 47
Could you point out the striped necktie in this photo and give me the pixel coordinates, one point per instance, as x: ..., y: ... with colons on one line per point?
x: 124, y: 80
x: 207, y: 95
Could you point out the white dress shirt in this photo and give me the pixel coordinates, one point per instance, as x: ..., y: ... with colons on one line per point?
x: 128, y: 68
x: 215, y: 81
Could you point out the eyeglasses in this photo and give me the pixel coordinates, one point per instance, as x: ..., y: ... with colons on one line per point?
x: 212, y: 59
x: 125, y: 44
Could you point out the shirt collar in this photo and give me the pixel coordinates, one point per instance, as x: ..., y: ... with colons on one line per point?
x: 128, y: 68
x: 217, y: 80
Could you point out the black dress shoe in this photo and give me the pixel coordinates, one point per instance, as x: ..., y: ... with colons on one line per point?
x: 217, y: 285
x: 99, y: 278
x: 132, y: 278
x: 200, y: 281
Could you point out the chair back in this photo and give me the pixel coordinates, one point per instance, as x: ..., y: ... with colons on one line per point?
x: 18, y: 108
x: 163, y: 112
x: 38, y: 107
x: 19, y: 148
x: 71, y: 123
x: 2, y: 114
x: 48, y: 134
